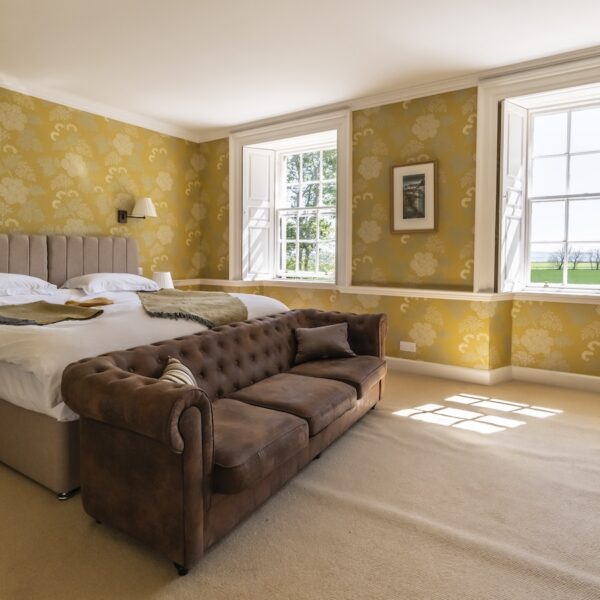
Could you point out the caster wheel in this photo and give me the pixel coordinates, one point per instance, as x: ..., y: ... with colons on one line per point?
x: 181, y: 570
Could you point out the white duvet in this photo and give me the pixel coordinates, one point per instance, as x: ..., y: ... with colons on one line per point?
x: 33, y: 358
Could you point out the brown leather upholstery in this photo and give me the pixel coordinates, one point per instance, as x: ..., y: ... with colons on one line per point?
x: 178, y: 466
x: 318, y: 401
x: 361, y: 372
x: 104, y: 393
x: 250, y: 442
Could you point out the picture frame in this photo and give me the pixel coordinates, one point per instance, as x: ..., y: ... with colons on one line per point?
x: 414, y: 197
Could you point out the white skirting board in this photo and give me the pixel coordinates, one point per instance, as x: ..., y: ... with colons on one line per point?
x: 493, y: 376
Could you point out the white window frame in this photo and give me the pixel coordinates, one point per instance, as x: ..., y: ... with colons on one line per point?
x: 280, y: 193
x: 566, y: 198
x: 487, y: 276
x: 340, y: 121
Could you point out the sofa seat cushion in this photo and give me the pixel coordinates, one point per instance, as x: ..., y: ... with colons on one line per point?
x: 361, y: 372
x: 250, y: 442
x: 318, y: 401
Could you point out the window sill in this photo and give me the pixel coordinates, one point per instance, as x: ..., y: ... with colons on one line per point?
x: 560, y: 295
x: 309, y: 283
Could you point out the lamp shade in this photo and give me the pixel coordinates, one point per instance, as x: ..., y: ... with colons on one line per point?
x: 144, y: 207
x: 163, y: 279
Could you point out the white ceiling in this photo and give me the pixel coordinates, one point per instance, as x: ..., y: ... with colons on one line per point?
x: 195, y: 67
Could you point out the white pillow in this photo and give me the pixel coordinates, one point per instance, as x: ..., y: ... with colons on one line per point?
x: 96, y: 283
x: 13, y: 284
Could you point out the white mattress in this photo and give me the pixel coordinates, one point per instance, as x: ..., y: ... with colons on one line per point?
x: 32, y: 358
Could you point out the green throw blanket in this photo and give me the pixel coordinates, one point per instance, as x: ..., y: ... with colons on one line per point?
x: 208, y: 308
x: 44, y: 313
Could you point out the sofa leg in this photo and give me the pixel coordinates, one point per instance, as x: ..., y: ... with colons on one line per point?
x: 181, y: 570
x: 62, y: 496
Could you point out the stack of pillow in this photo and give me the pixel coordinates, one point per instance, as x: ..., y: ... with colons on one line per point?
x: 12, y: 284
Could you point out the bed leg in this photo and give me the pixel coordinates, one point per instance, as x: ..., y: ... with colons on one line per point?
x: 61, y: 497
x: 181, y: 570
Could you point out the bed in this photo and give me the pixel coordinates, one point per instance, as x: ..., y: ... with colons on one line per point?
x: 38, y: 432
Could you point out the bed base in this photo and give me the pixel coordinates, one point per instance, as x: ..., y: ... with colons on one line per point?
x: 41, y: 448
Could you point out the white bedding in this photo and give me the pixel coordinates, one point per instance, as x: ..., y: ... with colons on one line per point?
x: 32, y: 358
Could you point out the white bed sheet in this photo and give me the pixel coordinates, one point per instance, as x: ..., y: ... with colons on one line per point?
x: 33, y: 358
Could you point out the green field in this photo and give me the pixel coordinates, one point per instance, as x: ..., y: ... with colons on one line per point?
x: 584, y: 274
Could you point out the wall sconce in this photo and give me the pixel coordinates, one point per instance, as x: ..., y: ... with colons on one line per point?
x: 144, y: 207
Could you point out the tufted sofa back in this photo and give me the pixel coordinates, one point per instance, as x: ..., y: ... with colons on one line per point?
x: 228, y: 358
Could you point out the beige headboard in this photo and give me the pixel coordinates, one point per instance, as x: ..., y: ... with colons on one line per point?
x: 57, y: 258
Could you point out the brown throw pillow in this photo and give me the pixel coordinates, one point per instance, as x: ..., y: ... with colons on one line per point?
x: 329, y: 341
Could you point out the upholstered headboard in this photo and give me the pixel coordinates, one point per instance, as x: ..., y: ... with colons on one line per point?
x: 57, y: 258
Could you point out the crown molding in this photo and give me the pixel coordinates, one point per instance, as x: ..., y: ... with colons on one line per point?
x: 415, y: 91
x: 578, y: 59
x: 97, y: 108
x: 575, y: 60
x: 361, y: 103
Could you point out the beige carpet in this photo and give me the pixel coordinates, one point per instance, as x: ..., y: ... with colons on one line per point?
x: 397, y: 509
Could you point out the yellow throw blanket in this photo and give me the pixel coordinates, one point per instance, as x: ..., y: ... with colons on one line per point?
x: 208, y: 308
x: 44, y: 313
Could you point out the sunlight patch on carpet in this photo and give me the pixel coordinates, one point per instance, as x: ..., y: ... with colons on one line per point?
x: 479, y: 422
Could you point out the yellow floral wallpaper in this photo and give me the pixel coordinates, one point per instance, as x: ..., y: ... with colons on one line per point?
x: 501, y: 334
x: 483, y: 335
x: 451, y: 332
x: 477, y: 335
x: 67, y: 171
x: 559, y: 337
x: 441, y: 128
x: 213, y: 187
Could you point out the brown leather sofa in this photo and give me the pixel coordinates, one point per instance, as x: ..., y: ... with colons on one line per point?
x: 178, y: 467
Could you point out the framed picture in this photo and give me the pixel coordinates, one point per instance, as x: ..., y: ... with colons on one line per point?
x: 414, y: 197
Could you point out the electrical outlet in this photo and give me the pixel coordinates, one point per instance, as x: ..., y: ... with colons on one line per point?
x: 408, y: 346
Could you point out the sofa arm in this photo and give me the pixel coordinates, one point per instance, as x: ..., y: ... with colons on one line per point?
x: 99, y: 390
x: 366, y: 332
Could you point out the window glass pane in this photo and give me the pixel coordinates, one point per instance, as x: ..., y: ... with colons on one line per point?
x: 585, y: 174
x: 584, y: 264
x: 308, y: 227
x: 310, y: 194
x: 292, y: 199
x: 290, y: 257
x: 293, y: 168
x: 584, y: 221
x: 550, y: 134
x: 311, y: 166
x: 327, y: 227
x: 547, y: 263
x: 547, y: 221
x: 288, y: 227
x: 585, y: 130
x: 327, y: 258
x: 307, y: 257
x: 549, y: 176
x: 329, y: 194
x: 329, y: 164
